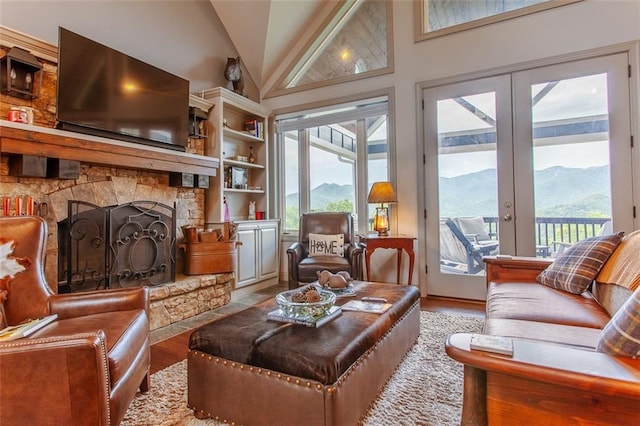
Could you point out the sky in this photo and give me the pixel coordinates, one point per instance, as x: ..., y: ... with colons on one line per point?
x: 327, y: 169
x: 570, y: 98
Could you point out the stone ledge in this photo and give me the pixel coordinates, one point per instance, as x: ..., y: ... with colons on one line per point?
x: 188, y: 296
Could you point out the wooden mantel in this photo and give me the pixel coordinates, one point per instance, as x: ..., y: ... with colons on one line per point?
x: 18, y: 138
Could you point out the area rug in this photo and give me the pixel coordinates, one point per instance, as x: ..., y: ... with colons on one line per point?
x: 425, y: 389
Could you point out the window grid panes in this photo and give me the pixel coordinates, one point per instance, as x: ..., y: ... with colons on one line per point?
x: 321, y: 160
x: 440, y: 17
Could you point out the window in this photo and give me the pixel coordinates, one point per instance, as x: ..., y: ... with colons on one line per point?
x: 331, y: 157
x: 355, y: 42
x: 435, y: 18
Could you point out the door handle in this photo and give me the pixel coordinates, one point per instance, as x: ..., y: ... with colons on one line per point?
x: 507, y: 217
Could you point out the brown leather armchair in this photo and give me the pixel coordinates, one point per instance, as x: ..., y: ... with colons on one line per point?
x: 85, y: 367
x: 303, y: 269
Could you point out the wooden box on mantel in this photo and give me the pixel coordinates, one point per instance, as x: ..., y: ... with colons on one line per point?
x: 210, y: 257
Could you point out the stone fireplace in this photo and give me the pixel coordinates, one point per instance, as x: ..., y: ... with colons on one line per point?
x: 173, y: 301
x: 110, y: 174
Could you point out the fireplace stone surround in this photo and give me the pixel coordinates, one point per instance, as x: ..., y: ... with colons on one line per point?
x: 108, y: 175
x: 187, y: 296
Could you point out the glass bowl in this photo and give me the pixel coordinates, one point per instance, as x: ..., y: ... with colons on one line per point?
x: 303, y: 309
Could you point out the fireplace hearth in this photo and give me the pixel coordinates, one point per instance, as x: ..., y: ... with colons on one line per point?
x: 126, y: 245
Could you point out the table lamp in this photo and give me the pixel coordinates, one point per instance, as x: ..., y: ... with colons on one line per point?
x: 381, y: 192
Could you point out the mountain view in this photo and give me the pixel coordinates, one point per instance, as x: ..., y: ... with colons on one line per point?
x: 325, y: 197
x: 559, y: 192
x: 324, y: 194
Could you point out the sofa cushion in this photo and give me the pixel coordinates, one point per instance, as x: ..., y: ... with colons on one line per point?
x: 309, y: 266
x: 534, y: 302
x: 576, y: 268
x: 610, y: 296
x: 623, y: 267
x: 621, y: 336
x: 326, y: 245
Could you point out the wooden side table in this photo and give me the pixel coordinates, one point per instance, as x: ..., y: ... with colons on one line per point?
x: 397, y: 242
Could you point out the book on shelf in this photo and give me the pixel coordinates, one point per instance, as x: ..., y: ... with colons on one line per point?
x: 25, y: 329
x: 254, y: 128
x: 366, y: 306
x: 496, y: 344
x: 278, y: 315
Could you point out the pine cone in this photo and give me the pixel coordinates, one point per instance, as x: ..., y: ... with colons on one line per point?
x: 307, y: 294
x: 312, y: 295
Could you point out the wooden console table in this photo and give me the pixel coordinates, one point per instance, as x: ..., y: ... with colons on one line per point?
x: 398, y: 242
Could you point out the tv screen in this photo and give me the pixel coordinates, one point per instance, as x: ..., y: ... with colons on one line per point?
x: 104, y: 92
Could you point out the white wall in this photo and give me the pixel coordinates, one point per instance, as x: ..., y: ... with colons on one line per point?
x: 183, y: 37
x: 581, y: 26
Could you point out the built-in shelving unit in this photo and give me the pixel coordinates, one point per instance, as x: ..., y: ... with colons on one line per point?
x: 230, y: 138
x: 242, y: 178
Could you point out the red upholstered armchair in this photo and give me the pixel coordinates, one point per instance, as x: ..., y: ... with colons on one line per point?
x: 82, y: 369
x: 303, y: 268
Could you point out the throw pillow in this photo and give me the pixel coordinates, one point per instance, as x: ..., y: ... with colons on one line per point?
x: 577, y: 266
x: 621, y: 335
x: 326, y: 245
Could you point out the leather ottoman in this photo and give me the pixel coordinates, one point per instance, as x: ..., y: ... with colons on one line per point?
x: 244, y: 369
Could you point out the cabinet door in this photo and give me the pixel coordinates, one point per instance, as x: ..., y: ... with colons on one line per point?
x: 247, y: 271
x: 268, y: 250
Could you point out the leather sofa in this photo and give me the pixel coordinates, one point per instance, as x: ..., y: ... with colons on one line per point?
x: 556, y: 375
x: 85, y: 367
x: 303, y: 268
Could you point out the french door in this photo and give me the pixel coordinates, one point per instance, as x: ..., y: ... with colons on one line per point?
x: 525, y: 164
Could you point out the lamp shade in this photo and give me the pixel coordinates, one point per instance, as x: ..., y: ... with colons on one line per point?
x: 382, y: 192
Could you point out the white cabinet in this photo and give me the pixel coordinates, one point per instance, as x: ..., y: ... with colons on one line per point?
x: 258, y: 254
x: 239, y: 138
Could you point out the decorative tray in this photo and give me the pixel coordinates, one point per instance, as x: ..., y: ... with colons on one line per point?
x: 347, y: 291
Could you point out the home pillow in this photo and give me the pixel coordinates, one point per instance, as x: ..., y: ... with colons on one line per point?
x: 326, y: 245
x: 473, y: 226
x: 621, y: 335
x: 575, y: 269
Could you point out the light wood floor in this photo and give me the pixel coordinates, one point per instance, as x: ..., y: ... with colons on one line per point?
x: 169, y: 350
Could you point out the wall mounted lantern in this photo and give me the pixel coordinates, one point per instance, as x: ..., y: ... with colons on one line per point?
x: 20, y: 74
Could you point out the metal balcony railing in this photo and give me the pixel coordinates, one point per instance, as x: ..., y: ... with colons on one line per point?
x: 554, y: 230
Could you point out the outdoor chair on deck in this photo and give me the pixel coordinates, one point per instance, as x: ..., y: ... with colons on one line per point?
x: 463, y: 244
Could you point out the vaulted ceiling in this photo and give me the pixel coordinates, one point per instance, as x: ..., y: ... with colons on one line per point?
x: 264, y: 31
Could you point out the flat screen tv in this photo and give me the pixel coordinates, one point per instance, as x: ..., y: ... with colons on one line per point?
x: 106, y: 93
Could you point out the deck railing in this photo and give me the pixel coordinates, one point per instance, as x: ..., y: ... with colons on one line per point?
x: 556, y: 230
